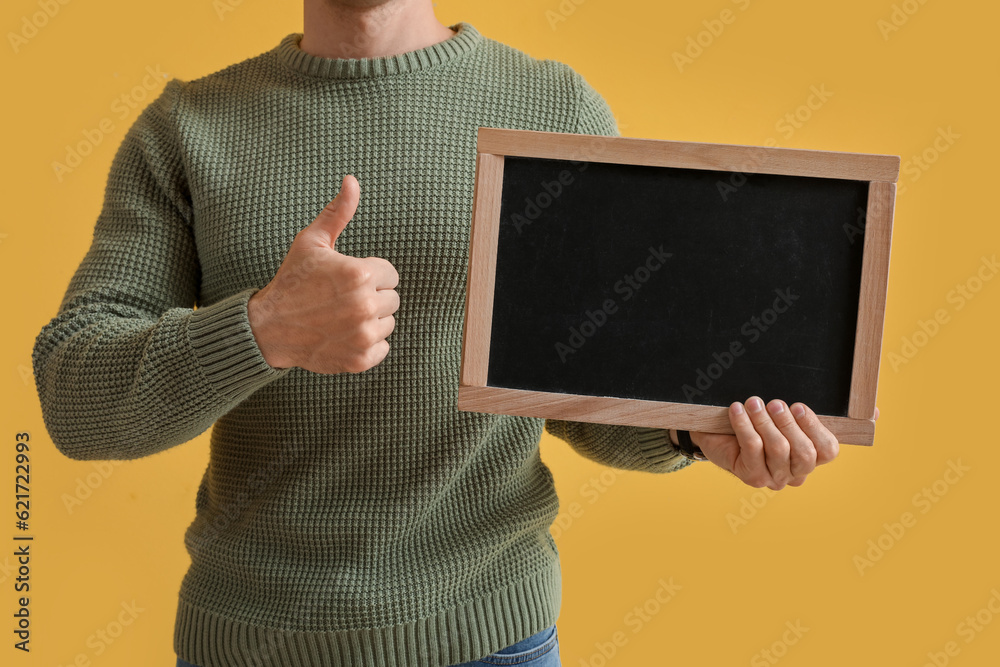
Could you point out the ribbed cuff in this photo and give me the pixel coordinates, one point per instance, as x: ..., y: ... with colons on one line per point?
x: 226, y: 349
x: 662, y: 454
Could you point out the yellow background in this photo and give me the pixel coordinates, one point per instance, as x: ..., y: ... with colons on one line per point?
x: 794, y: 561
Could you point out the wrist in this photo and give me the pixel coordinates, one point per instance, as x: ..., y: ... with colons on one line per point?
x: 688, y: 447
x: 263, y: 323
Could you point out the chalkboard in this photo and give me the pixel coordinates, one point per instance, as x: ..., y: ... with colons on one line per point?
x: 653, y: 283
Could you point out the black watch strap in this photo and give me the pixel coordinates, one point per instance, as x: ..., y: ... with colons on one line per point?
x: 688, y: 448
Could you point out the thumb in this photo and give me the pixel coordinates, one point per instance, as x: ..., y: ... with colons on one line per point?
x: 334, y: 217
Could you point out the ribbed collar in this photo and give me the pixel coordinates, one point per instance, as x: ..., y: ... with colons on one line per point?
x: 289, y: 53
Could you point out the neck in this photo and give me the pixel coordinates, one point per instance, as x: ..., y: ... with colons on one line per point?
x: 342, y: 29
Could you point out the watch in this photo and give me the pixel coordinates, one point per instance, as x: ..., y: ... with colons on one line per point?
x: 688, y: 448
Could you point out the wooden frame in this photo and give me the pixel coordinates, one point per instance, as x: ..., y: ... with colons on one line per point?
x: 882, y: 172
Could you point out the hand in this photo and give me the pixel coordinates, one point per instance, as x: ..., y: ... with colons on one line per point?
x: 771, y: 447
x: 324, y: 311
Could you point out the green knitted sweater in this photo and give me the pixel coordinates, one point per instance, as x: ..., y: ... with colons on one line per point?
x: 351, y: 519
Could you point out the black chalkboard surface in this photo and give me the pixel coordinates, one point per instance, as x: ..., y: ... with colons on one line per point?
x: 646, y: 282
x: 659, y: 289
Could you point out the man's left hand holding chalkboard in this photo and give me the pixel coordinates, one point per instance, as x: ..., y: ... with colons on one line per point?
x: 773, y: 447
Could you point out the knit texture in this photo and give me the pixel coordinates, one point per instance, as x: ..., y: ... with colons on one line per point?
x: 351, y: 519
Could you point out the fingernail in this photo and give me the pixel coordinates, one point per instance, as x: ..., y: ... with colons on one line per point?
x: 737, y: 408
x: 775, y: 408
x: 756, y: 405
x: 798, y: 410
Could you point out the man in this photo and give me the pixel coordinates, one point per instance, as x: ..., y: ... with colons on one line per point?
x: 349, y: 515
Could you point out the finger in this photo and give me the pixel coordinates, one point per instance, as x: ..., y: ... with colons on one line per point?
x: 750, y: 465
x: 802, y: 451
x: 384, y: 274
x: 375, y: 355
x: 332, y: 220
x: 387, y: 302
x: 384, y: 326
x: 876, y: 413
x: 825, y: 442
x: 776, y: 447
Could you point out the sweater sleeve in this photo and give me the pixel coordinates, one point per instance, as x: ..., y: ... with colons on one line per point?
x: 128, y: 366
x: 624, y: 447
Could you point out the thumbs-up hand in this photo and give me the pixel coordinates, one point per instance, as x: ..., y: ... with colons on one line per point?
x: 324, y: 311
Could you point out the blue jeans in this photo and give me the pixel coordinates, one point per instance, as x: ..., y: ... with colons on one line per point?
x: 538, y: 650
